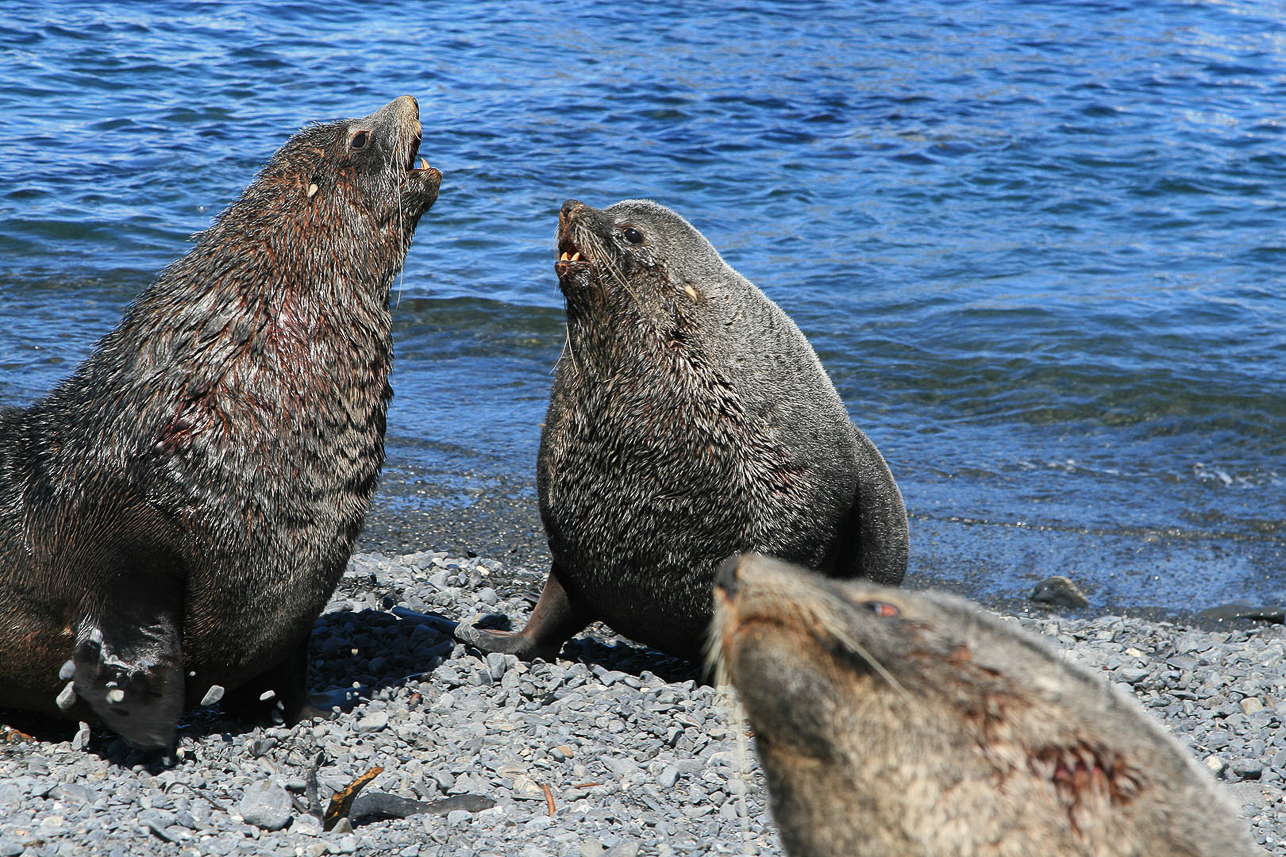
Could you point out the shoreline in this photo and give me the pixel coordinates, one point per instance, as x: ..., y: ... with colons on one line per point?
x: 480, y: 514
x: 639, y: 756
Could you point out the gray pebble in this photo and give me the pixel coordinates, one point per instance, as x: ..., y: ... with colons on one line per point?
x: 1248, y: 769
x: 266, y: 805
x: 373, y: 722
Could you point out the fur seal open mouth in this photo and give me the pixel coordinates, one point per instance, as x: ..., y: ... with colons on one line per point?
x: 572, y: 255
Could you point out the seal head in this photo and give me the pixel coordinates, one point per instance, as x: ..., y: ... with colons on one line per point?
x: 911, y: 723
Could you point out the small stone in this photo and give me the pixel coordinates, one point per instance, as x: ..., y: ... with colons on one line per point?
x: 81, y: 739
x: 627, y: 848
x: 373, y: 722
x: 306, y: 825
x: 11, y: 848
x: 1216, y: 764
x: 496, y: 665
x: 1132, y: 675
x: 458, y: 816
x: 1059, y: 592
x: 346, y: 845
x: 1251, y: 704
x: 1248, y: 769
x: 669, y: 776
x: 266, y: 805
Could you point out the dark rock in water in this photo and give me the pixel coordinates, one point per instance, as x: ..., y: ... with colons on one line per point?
x: 1226, y: 612
x: 1059, y: 592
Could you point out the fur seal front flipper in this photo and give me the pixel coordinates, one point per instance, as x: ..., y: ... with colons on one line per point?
x: 554, y: 620
x: 689, y: 418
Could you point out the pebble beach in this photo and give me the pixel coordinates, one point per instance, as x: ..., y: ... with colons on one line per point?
x: 612, y: 751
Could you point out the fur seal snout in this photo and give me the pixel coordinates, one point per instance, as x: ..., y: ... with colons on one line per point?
x: 689, y: 418
x: 911, y: 723
x: 174, y: 516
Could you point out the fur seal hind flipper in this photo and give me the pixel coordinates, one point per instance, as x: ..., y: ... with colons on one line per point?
x: 128, y: 661
x: 873, y: 541
x: 557, y: 617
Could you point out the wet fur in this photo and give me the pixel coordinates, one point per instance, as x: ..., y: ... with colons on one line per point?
x: 928, y: 727
x: 186, y: 501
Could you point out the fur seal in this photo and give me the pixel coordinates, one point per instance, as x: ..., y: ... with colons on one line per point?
x: 898, y: 723
x: 689, y: 418
x: 175, y: 514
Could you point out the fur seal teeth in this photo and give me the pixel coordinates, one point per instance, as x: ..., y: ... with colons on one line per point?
x: 424, y: 165
x: 564, y: 258
x: 312, y: 189
x: 576, y: 257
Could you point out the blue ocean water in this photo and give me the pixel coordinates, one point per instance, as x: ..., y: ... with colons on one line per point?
x: 1039, y: 246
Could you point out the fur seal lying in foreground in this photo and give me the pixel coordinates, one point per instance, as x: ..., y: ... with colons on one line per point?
x: 689, y: 419
x: 174, y: 516
x: 898, y: 723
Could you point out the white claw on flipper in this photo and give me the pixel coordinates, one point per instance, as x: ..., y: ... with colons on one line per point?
x: 213, y: 695
x: 67, y: 697
x: 67, y: 670
x: 115, y: 695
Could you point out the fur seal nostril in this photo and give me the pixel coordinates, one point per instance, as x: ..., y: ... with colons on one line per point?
x: 178, y: 511
x: 725, y: 577
x: 689, y: 419
x: 894, y: 723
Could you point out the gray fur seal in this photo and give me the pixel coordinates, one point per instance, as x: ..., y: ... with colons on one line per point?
x: 896, y: 724
x: 174, y: 516
x: 689, y: 418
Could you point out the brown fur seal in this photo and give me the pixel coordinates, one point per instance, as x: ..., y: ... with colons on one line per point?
x: 174, y: 516
x: 899, y: 723
x: 689, y: 419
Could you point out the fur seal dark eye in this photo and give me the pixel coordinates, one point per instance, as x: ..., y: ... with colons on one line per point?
x: 883, y: 609
x: 632, y: 235
x: 359, y: 141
